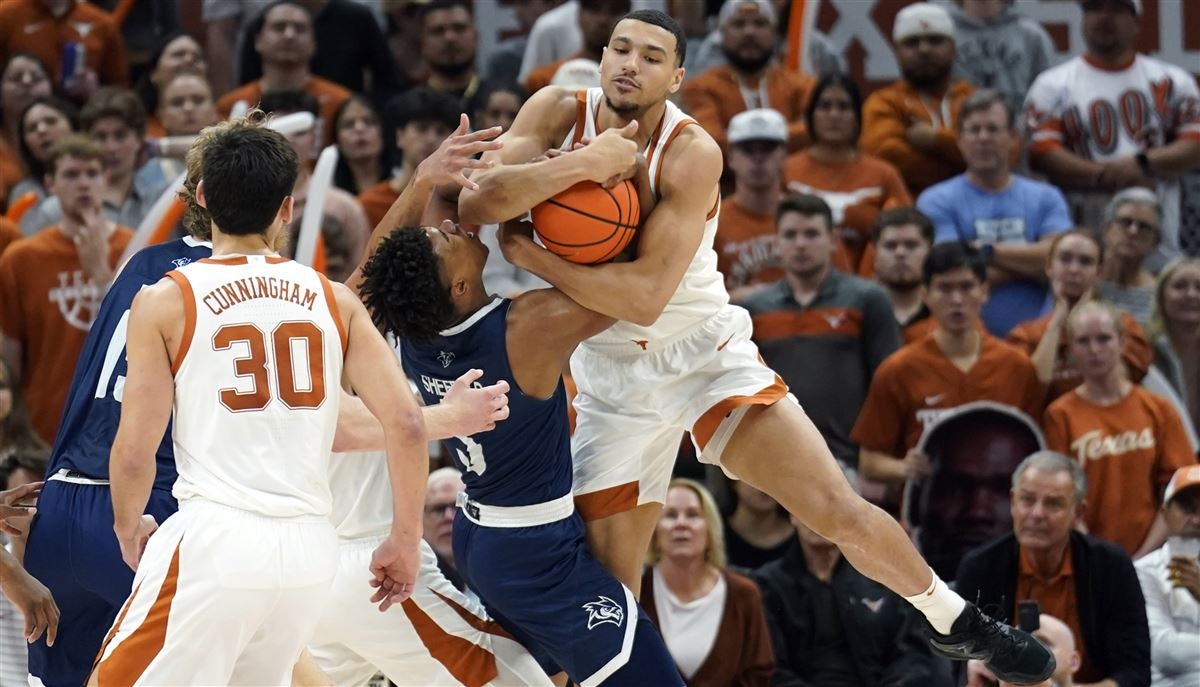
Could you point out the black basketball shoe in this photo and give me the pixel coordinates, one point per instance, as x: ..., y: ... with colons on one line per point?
x: 1011, y: 654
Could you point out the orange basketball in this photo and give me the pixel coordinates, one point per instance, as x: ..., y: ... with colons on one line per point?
x: 587, y: 223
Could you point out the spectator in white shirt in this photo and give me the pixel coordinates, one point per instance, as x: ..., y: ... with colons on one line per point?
x: 1170, y: 578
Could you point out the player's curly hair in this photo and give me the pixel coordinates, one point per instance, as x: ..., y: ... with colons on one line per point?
x: 403, y: 290
x: 195, y: 218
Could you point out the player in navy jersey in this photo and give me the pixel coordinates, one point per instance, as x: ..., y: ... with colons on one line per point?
x: 517, y: 541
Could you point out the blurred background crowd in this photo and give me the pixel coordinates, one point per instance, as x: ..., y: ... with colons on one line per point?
x: 968, y: 233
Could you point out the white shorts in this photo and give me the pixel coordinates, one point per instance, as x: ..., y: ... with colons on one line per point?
x: 436, y: 637
x: 635, y: 401
x: 222, y: 596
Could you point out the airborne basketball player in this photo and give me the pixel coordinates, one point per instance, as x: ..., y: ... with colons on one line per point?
x: 680, y: 357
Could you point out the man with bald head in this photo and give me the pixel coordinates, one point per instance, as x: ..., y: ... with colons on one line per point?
x: 441, y: 492
x: 1057, y: 637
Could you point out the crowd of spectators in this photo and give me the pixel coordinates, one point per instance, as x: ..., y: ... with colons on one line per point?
x: 981, y: 281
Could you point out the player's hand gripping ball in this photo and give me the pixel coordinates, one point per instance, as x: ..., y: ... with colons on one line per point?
x: 587, y: 223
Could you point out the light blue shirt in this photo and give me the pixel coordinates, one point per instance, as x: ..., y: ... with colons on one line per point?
x: 1024, y: 213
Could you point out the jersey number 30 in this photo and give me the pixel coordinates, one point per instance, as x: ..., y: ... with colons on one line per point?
x: 287, y: 338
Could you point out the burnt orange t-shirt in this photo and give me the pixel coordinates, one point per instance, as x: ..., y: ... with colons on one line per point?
x: 745, y: 245
x: 378, y: 199
x: 918, y: 383
x: 891, y: 110
x: 1136, y: 353
x: 328, y: 94
x: 1128, y: 450
x: 857, y: 191
x: 715, y: 96
x: 27, y: 26
x: 47, y: 304
x: 1055, y: 595
x: 9, y: 233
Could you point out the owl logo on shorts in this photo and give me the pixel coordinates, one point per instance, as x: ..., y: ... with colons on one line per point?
x: 604, y: 610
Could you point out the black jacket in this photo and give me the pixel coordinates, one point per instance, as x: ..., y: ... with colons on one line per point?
x: 889, y: 645
x: 1112, y: 611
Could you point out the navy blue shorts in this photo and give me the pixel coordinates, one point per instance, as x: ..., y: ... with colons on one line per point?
x: 544, y: 586
x: 73, y: 551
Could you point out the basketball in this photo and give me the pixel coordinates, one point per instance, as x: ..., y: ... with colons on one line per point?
x: 587, y: 223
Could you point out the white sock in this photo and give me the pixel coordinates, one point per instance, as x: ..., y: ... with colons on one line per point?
x: 940, y: 604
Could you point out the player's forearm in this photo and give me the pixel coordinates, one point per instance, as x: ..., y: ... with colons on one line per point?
x: 508, y: 191
x: 624, y: 291
x: 1025, y: 261
x: 357, y: 429
x: 1178, y: 157
x: 131, y: 472
x: 408, y: 470
x: 1066, y: 169
x: 880, y: 467
x: 441, y: 421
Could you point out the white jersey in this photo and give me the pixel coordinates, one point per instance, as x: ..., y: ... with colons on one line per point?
x: 257, y: 384
x: 362, y: 494
x: 701, y: 293
x: 1103, y: 114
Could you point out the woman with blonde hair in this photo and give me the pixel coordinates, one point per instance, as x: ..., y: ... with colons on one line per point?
x: 1129, y: 441
x: 711, y: 619
x: 1175, y: 331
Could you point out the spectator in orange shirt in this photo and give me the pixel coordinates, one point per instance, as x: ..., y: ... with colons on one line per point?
x: 856, y: 185
x: 751, y: 79
x: 913, y: 122
x: 51, y: 283
x: 745, y: 240
x: 286, y: 45
x: 422, y: 118
x: 45, y: 27
x: 1072, y: 269
x: 957, y: 364
x: 596, y: 21
x: 902, y: 238
x: 23, y: 78
x: 1128, y: 440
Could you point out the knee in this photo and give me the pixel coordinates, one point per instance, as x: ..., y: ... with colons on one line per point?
x: 847, y: 519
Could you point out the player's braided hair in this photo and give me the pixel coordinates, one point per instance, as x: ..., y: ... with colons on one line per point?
x: 403, y: 290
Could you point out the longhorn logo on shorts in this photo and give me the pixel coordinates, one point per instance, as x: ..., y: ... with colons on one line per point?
x: 445, y: 358
x: 604, y: 610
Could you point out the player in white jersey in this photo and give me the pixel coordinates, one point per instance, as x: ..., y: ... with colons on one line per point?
x: 681, y: 357
x: 439, y: 636
x: 1111, y: 118
x: 249, y: 350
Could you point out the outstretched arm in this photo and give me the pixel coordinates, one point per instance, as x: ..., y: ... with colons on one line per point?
x: 637, y: 291
x: 447, y: 165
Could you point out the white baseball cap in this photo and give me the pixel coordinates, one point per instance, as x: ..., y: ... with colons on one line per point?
x: 762, y: 124
x: 922, y: 19
x: 731, y: 6
x: 577, y: 73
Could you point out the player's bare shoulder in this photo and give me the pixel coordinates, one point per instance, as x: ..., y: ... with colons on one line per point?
x: 692, y: 162
x: 548, y: 113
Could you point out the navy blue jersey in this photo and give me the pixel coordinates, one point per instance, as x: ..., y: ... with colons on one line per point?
x: 93, y: 410
x: 526, y: 459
